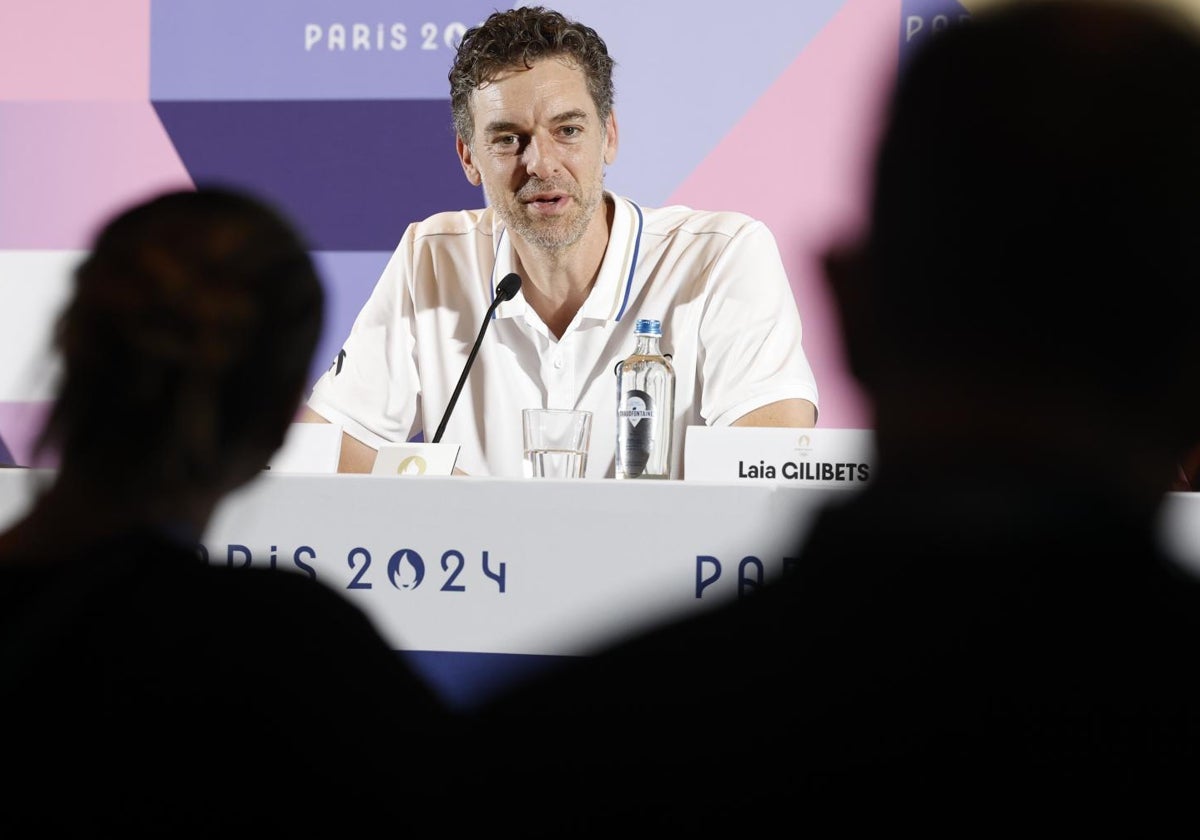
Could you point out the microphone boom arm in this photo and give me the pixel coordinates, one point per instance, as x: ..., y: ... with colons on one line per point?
x: 505, y: 290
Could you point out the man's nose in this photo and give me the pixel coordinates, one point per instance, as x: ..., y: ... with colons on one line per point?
x: 541, y: 157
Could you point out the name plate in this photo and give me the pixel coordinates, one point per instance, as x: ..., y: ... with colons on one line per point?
x: 308, y: 448
x: 806, y: 457
x: 413, y: 459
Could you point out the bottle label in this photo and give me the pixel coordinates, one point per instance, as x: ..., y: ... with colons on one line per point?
x: 636, y: 416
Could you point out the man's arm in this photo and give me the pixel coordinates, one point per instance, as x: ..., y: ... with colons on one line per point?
x: 356, y: 456
x: 793, y: 412
x: 751, y: 337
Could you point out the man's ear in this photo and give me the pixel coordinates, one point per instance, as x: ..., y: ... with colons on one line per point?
x: 467, y: 159
x: 848, y: 277
x: 610, y: 138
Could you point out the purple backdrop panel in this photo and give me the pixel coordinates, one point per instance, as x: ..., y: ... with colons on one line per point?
x: 352, y: 174
x: 919, y: 19
x: 686, y: 73
x: 306, y: 49
x: 349, y: 278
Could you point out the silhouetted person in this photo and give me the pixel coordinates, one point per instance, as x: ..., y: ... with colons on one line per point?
x: 990, y: 623
x: 141, y: 689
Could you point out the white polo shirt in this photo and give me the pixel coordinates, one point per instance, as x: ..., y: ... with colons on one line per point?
x: 714, y: 279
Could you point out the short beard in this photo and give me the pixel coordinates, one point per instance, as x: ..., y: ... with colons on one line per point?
x: 556, y: 237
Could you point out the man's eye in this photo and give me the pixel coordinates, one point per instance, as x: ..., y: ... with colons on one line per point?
x: 571, y: 130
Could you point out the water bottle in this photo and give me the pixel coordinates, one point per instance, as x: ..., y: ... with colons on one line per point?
x: 645, y: 407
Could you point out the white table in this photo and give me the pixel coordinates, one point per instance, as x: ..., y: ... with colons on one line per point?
x: 511, y: 570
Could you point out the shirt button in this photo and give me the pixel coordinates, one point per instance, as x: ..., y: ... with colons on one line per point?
x: 558, y: 362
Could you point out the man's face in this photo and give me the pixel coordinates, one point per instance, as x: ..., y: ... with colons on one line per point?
x: 540, y: 150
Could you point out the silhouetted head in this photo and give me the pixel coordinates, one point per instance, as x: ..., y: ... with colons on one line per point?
x: 518, y: 38
x: 1033, y: 235
x: 185, y: 346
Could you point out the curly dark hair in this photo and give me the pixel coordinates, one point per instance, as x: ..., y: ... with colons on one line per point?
x: 523, y: 36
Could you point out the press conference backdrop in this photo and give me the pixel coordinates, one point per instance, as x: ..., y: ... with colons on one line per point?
x: 337, y: 110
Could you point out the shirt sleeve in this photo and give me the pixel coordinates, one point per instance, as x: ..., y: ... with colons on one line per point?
x: 751, y: 332
x: 372, y: 388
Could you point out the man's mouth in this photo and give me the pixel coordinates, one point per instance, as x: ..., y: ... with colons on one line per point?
x: 545, y: 199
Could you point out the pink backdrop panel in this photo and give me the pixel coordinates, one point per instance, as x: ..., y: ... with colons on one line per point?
x: 20, y: 424
x: 65, y: 167
x: 74, y: 49
x: 798, y: 160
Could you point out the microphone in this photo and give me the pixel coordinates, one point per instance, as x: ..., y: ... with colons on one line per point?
x: 505, y: 290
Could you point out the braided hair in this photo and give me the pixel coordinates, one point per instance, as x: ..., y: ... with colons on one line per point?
x: 188, y: 338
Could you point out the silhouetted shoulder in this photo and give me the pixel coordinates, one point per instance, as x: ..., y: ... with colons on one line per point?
x: 143, y: 650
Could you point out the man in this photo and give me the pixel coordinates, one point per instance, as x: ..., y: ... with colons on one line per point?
x: 532, y: 98
x: 144, y: 690
x: 990, y: 624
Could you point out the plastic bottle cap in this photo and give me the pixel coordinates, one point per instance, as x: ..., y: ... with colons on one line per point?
x: 648, y: 326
